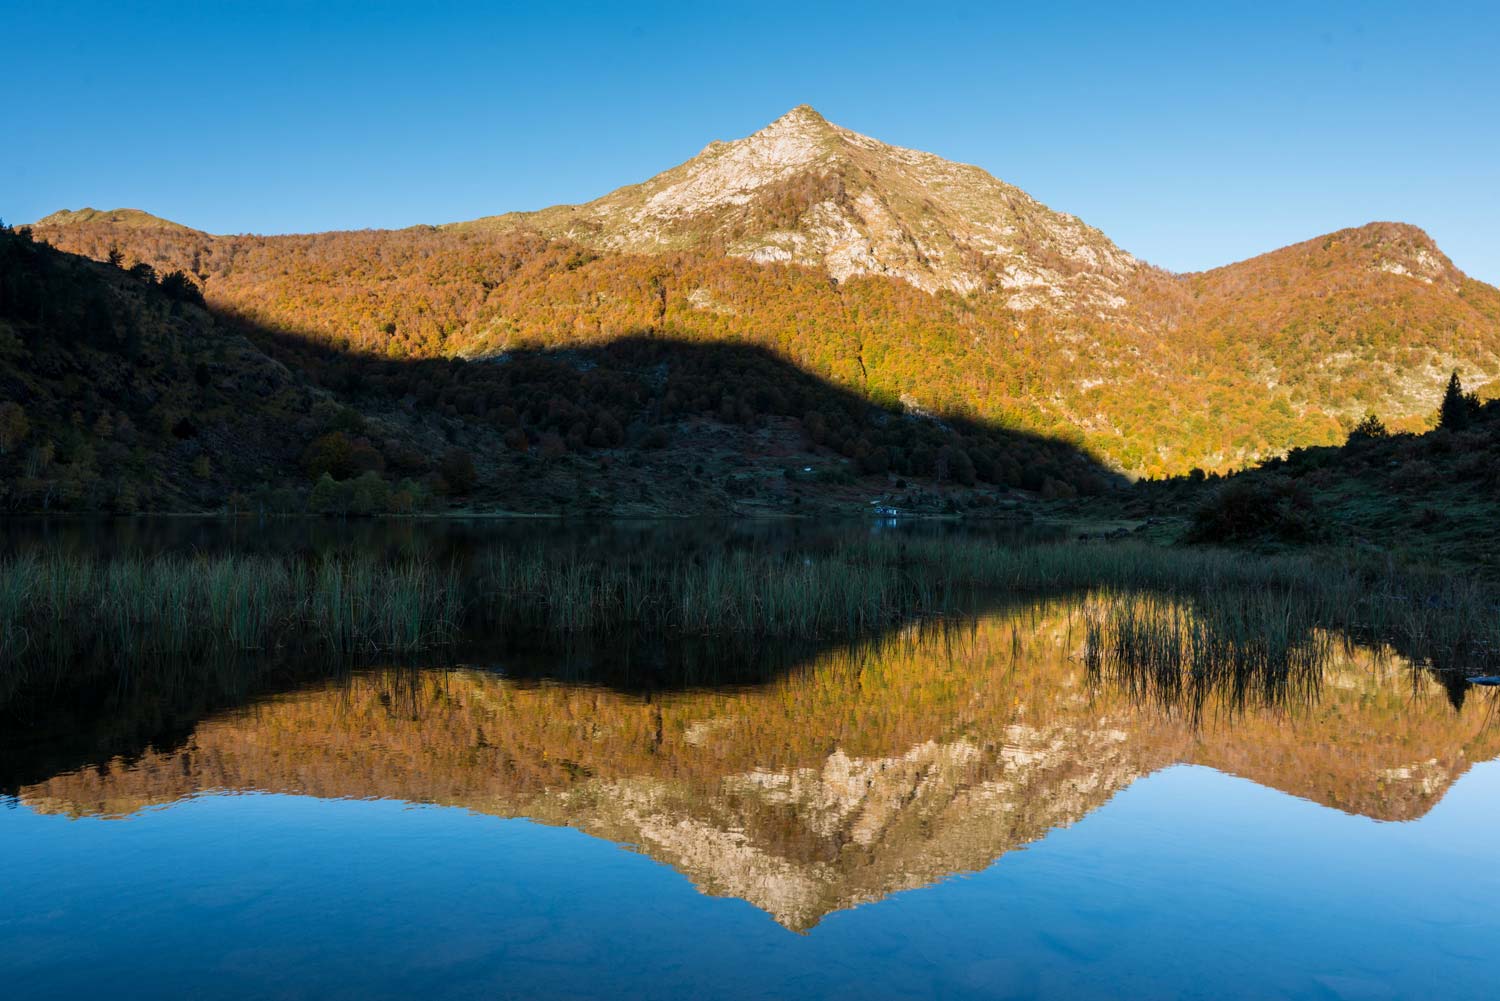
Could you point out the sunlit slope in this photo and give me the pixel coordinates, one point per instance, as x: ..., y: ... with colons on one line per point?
x: 1373, y: 318
x: 899, y: 275
x: 861, y: 775
x: 132, y: 219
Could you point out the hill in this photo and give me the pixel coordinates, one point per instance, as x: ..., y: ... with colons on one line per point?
x: 120, y: 218
x: 121, y: 391
x: 911, y: 282
x: 1429, y: 498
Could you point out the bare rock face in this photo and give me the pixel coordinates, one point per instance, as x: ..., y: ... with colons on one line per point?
x: 805, y: 191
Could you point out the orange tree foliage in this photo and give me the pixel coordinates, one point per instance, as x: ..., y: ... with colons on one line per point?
x: 1211, y: 370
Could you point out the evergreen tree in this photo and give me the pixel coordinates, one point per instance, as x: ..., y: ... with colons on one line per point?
x: 1458, y: 407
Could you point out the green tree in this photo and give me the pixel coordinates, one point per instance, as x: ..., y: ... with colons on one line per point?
x: 340, y: 456
x: 328, y: 496
x: 177, y: 285
x: 369, y: 494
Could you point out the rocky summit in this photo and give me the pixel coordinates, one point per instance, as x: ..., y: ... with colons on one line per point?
x: 806, y: 191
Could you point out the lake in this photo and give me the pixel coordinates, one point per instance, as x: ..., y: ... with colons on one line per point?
x: 955, y: 808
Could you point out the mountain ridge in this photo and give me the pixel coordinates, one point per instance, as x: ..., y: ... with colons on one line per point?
x: 830, y: 249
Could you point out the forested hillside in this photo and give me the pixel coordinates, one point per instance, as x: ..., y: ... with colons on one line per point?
x: 916, y: 284
x: 1212, y: 370
x: 120, y: 389
x: 1432, y: 498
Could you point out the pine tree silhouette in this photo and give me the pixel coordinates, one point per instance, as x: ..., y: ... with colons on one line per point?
x: 1458, y: 407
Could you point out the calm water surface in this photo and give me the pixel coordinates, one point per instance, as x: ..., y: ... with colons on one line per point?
x: 929, y: 813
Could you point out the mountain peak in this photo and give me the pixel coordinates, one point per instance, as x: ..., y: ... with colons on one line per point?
x: 1349, y: 255
x: 802, y: 115
x: 805, y: 191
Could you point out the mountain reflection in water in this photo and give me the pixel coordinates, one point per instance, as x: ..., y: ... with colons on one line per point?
x: 868, y: 770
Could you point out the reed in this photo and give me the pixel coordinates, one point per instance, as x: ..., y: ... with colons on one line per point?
x: 56, y: 609
x: 1215, y: 617
x: 788, y: 595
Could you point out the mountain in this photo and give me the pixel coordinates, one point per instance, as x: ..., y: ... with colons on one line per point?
x: 805, y: 191
x: 919, y: 285
x: 1376, y: 316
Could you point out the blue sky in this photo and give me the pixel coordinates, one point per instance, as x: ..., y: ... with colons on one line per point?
x: 1193, y: 136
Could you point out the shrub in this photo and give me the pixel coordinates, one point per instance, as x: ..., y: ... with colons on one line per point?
x: 1249, y: 509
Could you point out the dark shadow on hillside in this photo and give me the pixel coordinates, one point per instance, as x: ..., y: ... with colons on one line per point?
x: 637, y: 394
x: 181, y: 417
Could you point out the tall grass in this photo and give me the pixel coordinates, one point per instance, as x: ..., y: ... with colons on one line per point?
x: 1203, y: 614
x: 55, y: 609
x: 718, y: 593
x: 1258, y: 648
x: 1442, y: 620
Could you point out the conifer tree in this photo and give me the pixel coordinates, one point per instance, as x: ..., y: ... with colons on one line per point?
x: 1458, y: 407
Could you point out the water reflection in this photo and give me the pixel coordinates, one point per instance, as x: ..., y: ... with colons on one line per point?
x: 866, y: 770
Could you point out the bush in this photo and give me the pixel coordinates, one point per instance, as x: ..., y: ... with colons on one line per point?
x: 369, y: 494
x: 1251, y: 509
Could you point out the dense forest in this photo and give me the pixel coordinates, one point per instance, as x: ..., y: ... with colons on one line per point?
x: 123, y: 388
x: 1212, y: 371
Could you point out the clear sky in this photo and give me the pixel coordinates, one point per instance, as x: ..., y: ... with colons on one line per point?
x: 1192, y: 136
